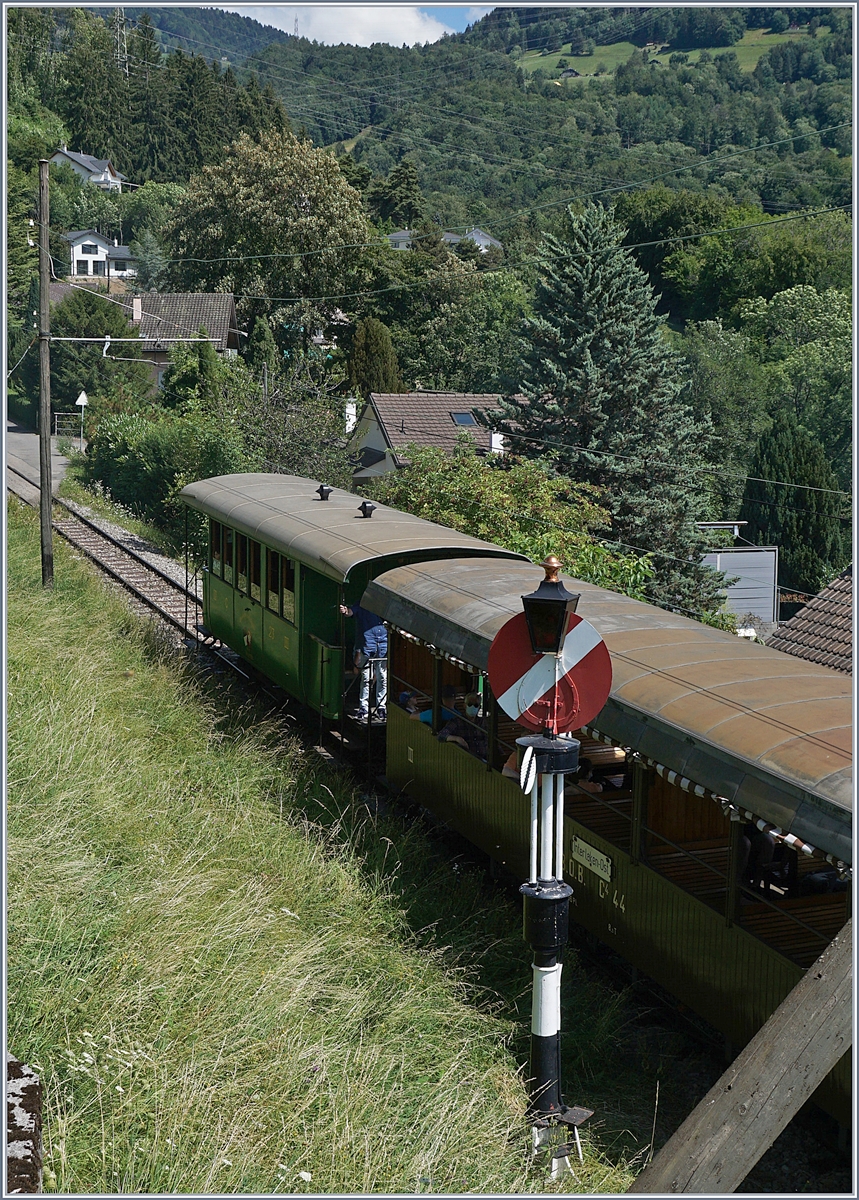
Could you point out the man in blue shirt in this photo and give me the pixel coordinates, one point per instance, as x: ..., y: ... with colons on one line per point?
x: 371, y: 651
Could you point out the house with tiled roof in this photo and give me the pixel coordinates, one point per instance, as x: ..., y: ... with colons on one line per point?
x: 822, y: 630
x: 391, y: 420
x: 163, y: 319
x: 98, y: 171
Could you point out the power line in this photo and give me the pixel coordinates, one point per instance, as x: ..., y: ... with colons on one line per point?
x: 533, y: 259
x: 644, y: 462
x: 340, y: 86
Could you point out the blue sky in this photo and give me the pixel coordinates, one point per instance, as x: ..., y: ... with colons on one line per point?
x: 361, y: 24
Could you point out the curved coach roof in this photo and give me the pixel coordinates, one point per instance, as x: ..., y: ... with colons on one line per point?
x: 284, y: 512
x: 768, y: 731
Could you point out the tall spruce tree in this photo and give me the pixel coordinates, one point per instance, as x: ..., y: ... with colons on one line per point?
x: 805, y: 522
x: 601, y: 396
x: 373, y: 365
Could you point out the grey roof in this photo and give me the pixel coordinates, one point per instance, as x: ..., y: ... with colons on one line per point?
x: 284, y: 512
x: 822, y: 630
x: 180, y: 314
x: 763, y: 729
x: 73, y: 234
x: 94, y: 165
x: 120, y: 252
x: 425, y: 417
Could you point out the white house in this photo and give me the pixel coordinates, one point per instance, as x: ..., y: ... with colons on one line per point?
x: 402, y: 239
x: 92, y: 254
x: 99, y: 171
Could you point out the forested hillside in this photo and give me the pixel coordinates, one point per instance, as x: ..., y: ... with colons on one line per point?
x: 717, y: 145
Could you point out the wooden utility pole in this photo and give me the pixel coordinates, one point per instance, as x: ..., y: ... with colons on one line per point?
x: 742, y: 1115
x: 45, y: 380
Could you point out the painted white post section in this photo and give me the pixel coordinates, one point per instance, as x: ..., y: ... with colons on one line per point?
x: 533, y: 875
x: 546, y: 1010
x: 559, y: 827
x: 546, y: 823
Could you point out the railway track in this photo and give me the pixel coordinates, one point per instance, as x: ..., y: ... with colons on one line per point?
x: 149, y: 585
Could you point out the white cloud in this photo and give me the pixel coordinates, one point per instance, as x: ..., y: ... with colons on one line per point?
x: 355, y: 24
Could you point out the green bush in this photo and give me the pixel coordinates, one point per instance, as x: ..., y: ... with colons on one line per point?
x: 145, y: 463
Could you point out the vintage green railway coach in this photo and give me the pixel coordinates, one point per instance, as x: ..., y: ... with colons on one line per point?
x: 704, y: 739
x: 713, y: 734
x: 282, y: 559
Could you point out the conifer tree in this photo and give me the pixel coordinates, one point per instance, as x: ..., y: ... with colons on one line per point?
x: 262, y: 349
x: 601, y: 396
x: 805, y: 522
x: 398, y: 198
x: 192, y: 381
x: 373, y: 365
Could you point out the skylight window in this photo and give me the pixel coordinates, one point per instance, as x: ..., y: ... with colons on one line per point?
x: 465, y: 418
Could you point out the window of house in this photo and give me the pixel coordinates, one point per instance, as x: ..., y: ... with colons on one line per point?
x: 228, y: 555
x: 89, y: 248
x: 98, y: 267
x: 255, y: 568
x: 242, y: 562
x: 463, y: 418
x: 83, y: 266
x: 215, y: 538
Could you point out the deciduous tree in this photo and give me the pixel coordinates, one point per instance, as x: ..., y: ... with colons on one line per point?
x: 276, y: 223
x: 519, y: 504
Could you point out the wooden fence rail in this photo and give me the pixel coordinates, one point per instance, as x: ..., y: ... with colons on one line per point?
x: 742, y: 1115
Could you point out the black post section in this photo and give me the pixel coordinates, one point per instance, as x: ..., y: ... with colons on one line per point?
x: 732, y: 871
x: 545, y: 923
x: 491, y: 709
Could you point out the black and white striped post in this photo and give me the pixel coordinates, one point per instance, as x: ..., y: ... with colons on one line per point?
x: 546, y: 760
x: 550, y: 671
x: 546, y: 908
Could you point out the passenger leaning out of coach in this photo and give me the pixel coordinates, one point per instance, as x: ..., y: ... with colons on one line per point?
x: 371, y: 651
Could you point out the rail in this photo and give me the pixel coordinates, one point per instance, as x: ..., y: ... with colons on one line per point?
x: 172, y: 601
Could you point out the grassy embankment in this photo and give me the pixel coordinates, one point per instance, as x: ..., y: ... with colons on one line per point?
x: 230, y: 974
x: 748, y: 50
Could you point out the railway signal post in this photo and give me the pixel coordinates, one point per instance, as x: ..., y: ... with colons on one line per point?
x: 551, y: 672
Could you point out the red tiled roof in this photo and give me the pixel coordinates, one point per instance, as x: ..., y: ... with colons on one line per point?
x: 425, y: 417
x: 822, y: 630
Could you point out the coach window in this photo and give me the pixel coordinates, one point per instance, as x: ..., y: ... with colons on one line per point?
x: 287, y: 589
x: 215, y: 536
x: 256, y: 556
x: 272, y: 580
x: 242, y: 563
x: 228, y: 555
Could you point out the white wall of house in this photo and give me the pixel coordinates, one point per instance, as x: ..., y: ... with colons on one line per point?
x: 90, y: 255
x: 367, y: 435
